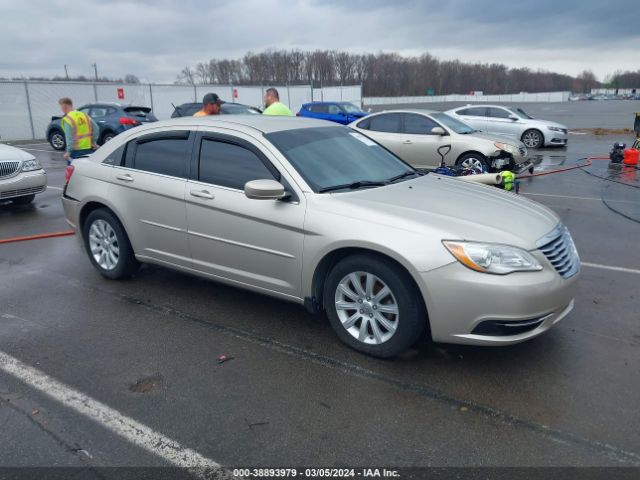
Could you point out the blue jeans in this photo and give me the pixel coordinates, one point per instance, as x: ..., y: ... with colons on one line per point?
x: 79, y: 153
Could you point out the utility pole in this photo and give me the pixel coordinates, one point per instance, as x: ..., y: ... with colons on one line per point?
x: 95, y: 70
x: 66, y: 72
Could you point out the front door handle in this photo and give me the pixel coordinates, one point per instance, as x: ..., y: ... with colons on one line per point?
x: 407, y: 142
x: 202, y: 194
x: 125, y: 178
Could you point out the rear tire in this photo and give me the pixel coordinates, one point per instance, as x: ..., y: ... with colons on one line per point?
x: 108, y: 246
x: 26, y: 200
x: 374, y: 306
x: 107, y: 137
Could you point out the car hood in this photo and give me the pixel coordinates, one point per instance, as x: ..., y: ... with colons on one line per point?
x: 455, y: 209
x: 496, y: 138
x: 547, y: 123
x: 7, y: 152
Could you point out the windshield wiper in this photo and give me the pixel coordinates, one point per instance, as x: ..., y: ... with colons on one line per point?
x: 404, y: 175
x: 353, y: 186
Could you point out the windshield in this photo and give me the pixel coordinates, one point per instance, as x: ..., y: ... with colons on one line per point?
x: 522, y: 114
x: 453, y: 124
x: 350, y: 108
x: 330, y: 156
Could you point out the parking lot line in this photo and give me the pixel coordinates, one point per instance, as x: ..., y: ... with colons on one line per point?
x: 610, y: 267
x: 38, y: 150
x: 55, y: 188
x: 123, y: 426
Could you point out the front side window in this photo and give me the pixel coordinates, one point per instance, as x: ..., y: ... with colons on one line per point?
x: 329, y: 156
x: 334, y: 109
x: 418, y: 125
x: 388, y: 122
x: 350, y: 108
x: 229, y: 165
x: 498, y: 113
x: 166, y: 156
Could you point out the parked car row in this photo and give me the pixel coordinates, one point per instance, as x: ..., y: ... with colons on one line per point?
x: 324, y: 216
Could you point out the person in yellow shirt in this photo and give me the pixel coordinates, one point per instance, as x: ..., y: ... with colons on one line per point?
x: 81, y: 132
x: 210, y: 105
x: 273, y: 104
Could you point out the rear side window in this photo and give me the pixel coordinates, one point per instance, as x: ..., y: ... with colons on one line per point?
x: 418, y: 124
x: 364, y: 124
x: 115, y: 157
x: 389, y: 123
x: 229, y: 165
x: 166, y: 156
x: 473, y: 111
x: 318, y: 108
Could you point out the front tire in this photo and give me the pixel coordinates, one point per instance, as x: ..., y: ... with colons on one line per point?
x: 374, y: 306
x: 57, y: 140
x: 533, y: 139
x: 108, y: 246
x: 475, y: 161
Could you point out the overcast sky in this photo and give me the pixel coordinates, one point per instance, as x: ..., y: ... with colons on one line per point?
x: 155, y: 39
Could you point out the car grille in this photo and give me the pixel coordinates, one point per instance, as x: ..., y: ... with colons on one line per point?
x: 8, y: 169
x: 21, y: 192
x: 561, y: 252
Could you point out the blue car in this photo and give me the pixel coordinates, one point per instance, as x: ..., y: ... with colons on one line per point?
x: 339, y: 112
x: 112, y: 119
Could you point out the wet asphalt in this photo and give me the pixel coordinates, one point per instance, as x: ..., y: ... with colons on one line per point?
x: 293, y: 394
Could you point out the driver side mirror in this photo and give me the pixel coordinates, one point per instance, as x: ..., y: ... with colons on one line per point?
x: 264, y: 190
x: 438, y: 131
x: 513, y: 117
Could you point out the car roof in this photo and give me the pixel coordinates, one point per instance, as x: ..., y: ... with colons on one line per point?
x: 423, y: 111
x: 482, y: 105
x: 261, y: 123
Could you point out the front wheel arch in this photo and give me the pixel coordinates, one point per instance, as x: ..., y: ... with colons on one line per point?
x: 315, y: 304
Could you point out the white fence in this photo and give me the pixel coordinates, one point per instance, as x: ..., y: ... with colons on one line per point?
x: 26, y: 107
x: 516, y: 97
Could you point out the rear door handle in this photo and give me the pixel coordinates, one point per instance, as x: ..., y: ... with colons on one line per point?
x: 125, y: 178
x: 202, y: 194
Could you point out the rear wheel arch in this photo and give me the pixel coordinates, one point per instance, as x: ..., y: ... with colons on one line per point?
x: 90, y: 207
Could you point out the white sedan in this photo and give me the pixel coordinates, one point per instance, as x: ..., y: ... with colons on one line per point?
x: 21, y: 175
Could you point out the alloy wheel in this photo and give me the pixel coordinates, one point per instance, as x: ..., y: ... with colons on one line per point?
x: 57, y: 140
x: 532, y: 139
x: 367, y: 308
x: 103, y: 243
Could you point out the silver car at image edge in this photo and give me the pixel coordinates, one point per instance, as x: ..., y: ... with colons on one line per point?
x: 513, y: 122
x: 320, y: 215
x: 21, y: 175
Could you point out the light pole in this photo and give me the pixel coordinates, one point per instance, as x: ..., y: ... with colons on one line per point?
x: 95, y: 70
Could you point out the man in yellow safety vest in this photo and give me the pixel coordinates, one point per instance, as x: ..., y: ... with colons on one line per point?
x: 80, y: 131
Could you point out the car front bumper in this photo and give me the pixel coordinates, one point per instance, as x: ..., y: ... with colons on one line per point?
x: 23, y: 184
x: 475, y: 308
x: 551, y: 137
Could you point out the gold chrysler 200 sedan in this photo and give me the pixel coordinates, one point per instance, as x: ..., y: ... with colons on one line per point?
x: 321, y: 215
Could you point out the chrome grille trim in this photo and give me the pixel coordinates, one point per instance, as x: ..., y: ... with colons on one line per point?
x: 9, y: 168
x: 560, y: 250
x: 22, y: 191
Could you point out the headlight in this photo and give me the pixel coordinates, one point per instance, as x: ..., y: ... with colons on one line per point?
x: 506, y: 147
x: 556, y: 129
x: 492, y: 257
x: 31, y: 165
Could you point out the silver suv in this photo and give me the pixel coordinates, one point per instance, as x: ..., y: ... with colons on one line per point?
x: 21, y: 175
x: 513, y: 122
x: 318, y: 214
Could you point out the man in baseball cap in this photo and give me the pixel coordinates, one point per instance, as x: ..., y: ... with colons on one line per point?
x: 210, y: 105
